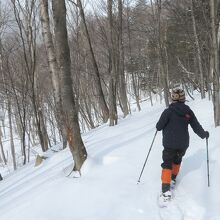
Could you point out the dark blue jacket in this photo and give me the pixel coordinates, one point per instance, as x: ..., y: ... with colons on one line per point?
x: 174, y: 122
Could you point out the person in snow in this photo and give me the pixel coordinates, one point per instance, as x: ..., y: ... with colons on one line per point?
x: 174, y: 123
x: 1, y: 177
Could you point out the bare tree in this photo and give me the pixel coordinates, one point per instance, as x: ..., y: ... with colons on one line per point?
x: 214, y: 5
x: 11, y: 135
x: 69, y: 106
x: 161, y: 54
x: 122, y: 84
x: 53, y: 66
x: 199, y: 55
x: 25, y: 16
x: 133, y: 78
x: 113, y: 116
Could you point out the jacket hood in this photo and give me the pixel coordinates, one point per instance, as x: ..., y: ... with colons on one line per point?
x: 180, y: 108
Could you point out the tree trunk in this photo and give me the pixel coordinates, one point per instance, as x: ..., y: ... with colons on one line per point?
x: 215, y: 72
x: 122, y: 84
x: 98, y: 85
x: 71, y: 115
x: 113, y: 116
x: 198, y: 51
x: 160, y: 55
x: 53, y: 66
x: 11, y: 135
x: 134, y: 85
x: 2, y: 148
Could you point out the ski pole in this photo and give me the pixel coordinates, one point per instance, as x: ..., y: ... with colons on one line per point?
x: 207, y: 151
x: 147, y: 157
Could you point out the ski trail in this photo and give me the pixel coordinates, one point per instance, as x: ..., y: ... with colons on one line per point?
x: 171, y: 212
x: 189, y: 208
x: 182, y: 207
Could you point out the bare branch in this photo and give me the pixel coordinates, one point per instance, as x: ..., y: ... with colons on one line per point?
x: 183, y: 67
x: 73, y: 3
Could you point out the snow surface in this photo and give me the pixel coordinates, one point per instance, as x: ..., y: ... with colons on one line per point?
x: 108, y: 188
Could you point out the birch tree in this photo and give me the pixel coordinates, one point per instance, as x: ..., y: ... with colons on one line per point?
x: 53, y: 65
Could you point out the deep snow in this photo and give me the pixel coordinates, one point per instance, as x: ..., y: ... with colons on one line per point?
x: 108, y: 188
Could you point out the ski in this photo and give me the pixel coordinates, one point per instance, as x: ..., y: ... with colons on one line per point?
x: 164, y: 199
x: 168, y: 207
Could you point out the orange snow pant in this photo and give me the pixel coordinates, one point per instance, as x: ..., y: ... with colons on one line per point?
x: 167, y: 173
x: 172, y: 159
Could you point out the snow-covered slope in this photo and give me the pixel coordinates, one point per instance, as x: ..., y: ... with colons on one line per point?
x: 108, y: 189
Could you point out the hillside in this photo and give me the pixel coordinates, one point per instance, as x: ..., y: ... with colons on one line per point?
x: 108, y: 188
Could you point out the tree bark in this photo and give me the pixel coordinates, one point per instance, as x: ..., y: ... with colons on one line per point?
x: 215, y: 62
x: 53, y: 66
x: 71, y: 115
x: 122, y: 84
x: 113, y: 116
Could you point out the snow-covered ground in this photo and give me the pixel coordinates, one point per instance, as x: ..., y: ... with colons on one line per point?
x: 108, y: 188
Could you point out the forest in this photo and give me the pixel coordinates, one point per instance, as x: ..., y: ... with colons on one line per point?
x: 67, y: 67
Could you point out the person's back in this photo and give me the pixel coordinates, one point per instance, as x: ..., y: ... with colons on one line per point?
x: 174, y: 123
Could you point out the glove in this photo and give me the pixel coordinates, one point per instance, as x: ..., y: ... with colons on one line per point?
x: 206, y: 134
